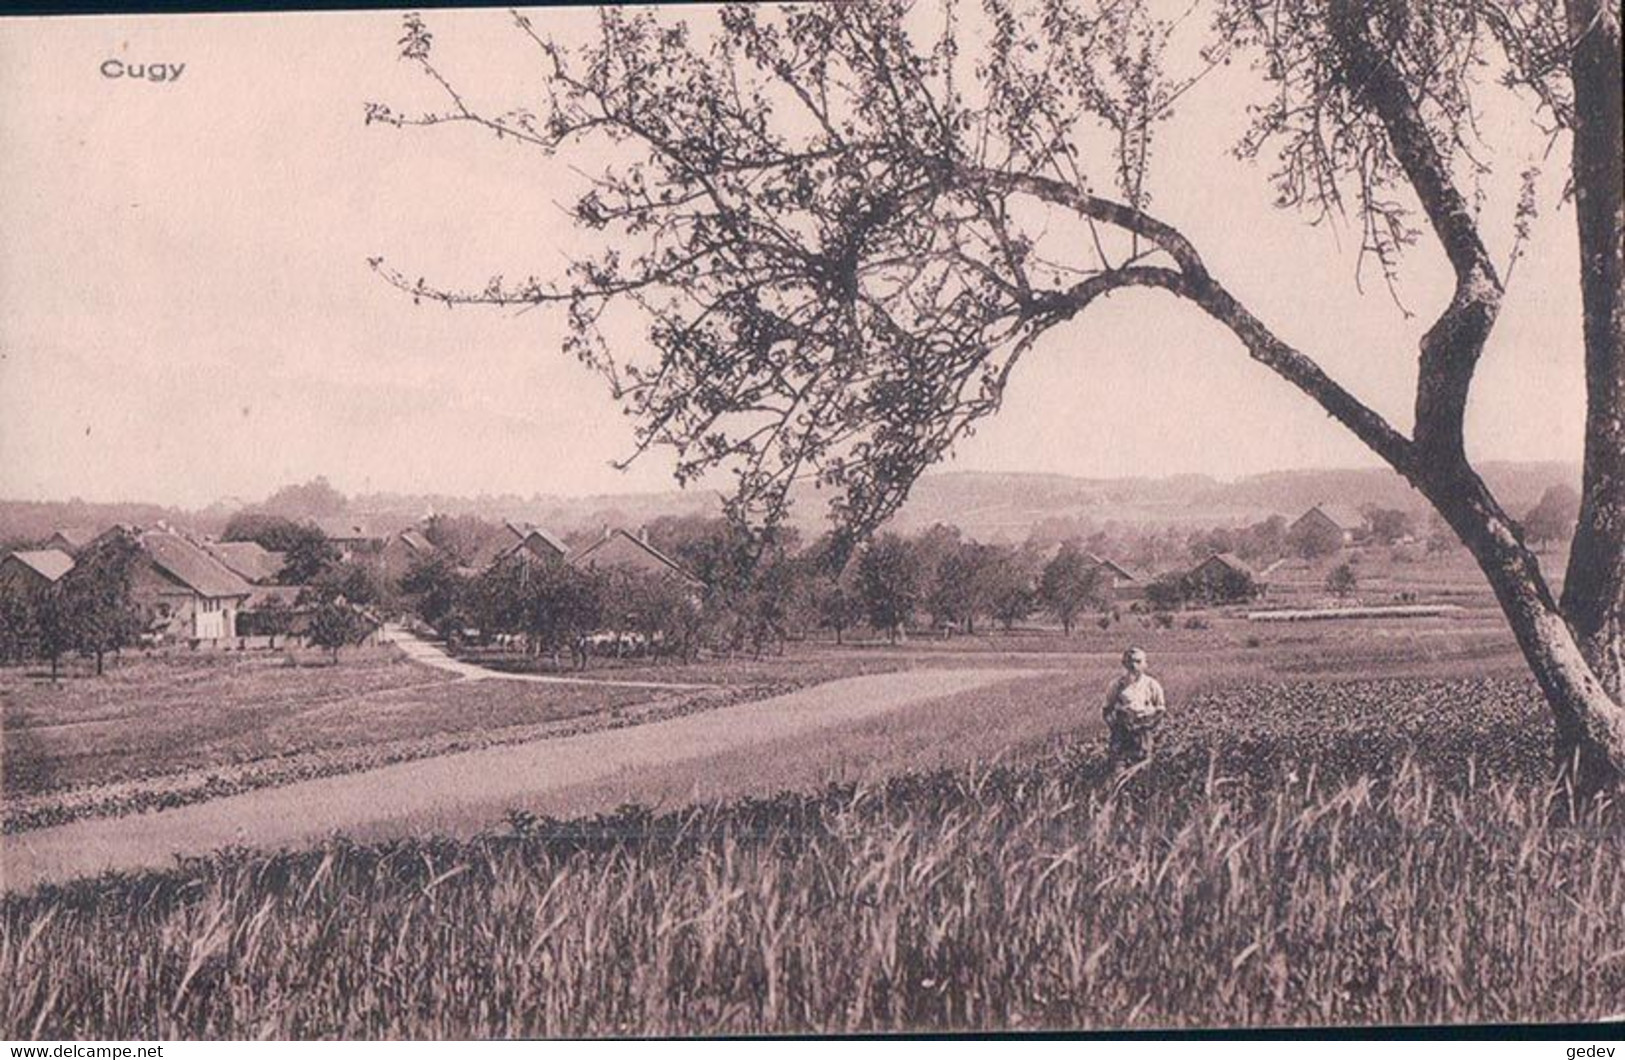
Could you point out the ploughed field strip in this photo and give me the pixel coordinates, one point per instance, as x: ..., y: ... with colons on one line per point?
x: 425, y: 795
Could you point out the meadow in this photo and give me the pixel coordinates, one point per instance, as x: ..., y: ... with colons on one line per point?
x: 178, y: 727
x: 1311, y: 847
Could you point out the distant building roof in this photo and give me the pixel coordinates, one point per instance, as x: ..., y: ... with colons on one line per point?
x: 72, y: 538
x: 538, y: 533
x: 342, y: 528
x: 191, y: 566
x: 1230, y: 560
x: 619, y: 548
x: 1116, y: 568
x: 1340, y: 515
x: 262, y: 595
x: 249, y: 559
x: 414, y: 539
x: 49, y: 563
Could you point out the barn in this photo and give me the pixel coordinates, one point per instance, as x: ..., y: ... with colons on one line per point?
x: 1343, y: 520
x: 186, y: 592
x: 619, y: 550
x: 32, y: 571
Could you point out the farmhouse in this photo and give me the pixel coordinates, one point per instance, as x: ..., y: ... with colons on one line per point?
x: 535, y: 544
x: 1122, y: 582
x: 34, y: 570
x: 404, y: 551
x: 70, y: 539
x: 1345, y: 521
x: 249, y: 560
x: 350, y: 536
x: 619, y: 550
x: 185, y: 591
x: 1222, y: 578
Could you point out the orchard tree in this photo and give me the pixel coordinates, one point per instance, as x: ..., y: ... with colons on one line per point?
x: 274, y: 618
x: 836, y: 603
x: 890, y: 580
x: 16, y: 623
x: 1342, y: 582
x: 1012, y: 591
x: 845, y: 224
x: 1552, y: 518
x: 1071, y: 583
x: 53, y: 628
x: 96, y: 593
x: 435, y: 587
x: 336, y: 623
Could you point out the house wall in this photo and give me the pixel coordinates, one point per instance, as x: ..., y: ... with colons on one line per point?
x: 178, y: 612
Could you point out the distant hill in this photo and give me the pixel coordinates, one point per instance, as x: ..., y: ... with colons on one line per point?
x: 988, y: 506
x: 991, y: 506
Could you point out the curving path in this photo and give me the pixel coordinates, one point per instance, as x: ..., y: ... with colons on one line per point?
x: 457, y: 793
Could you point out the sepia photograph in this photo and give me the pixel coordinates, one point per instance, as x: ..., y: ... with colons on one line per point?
x: 878, y: 517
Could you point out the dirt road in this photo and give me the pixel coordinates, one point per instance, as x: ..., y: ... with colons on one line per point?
x: 459, y: 793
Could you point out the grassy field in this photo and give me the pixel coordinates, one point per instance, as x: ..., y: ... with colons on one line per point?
x: 1299, y: 891
x: 1313, y: 845
x: 180, y: 727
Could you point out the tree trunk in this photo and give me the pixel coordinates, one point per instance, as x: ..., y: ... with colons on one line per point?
x: 1594, y: 588
x: 1589, y: 740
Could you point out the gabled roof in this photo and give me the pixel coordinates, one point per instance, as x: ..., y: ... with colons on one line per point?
x: 1115, y: 568
x: 287, y: 595
x: 249, y: 559
x: 604, y: 548
x: 49, y: 563
x: 191, y: 566
x: 74, y: 537
x: 537, y: 532
x: 1340, y: 515
x: 1228, y: 559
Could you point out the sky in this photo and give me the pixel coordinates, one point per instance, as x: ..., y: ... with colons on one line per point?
x: 186, y: 313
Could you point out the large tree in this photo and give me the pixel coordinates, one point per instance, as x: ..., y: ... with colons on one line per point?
x: 846, y: 223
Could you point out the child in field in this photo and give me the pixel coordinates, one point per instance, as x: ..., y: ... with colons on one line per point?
x: 1134, y: 709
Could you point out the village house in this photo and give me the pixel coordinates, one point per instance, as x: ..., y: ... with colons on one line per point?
x: 537, y: 545
x: 1348, y: 523
x: 184, y: 591
x: 70, y: 539
x: 619, y: 550
x: 1121, y: 582
x: 519, y: 539
x: 1223, y: 578
x: 250, y: 560
x: 31, y: 571
x: 350, y: 536
x: 403, y: 552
